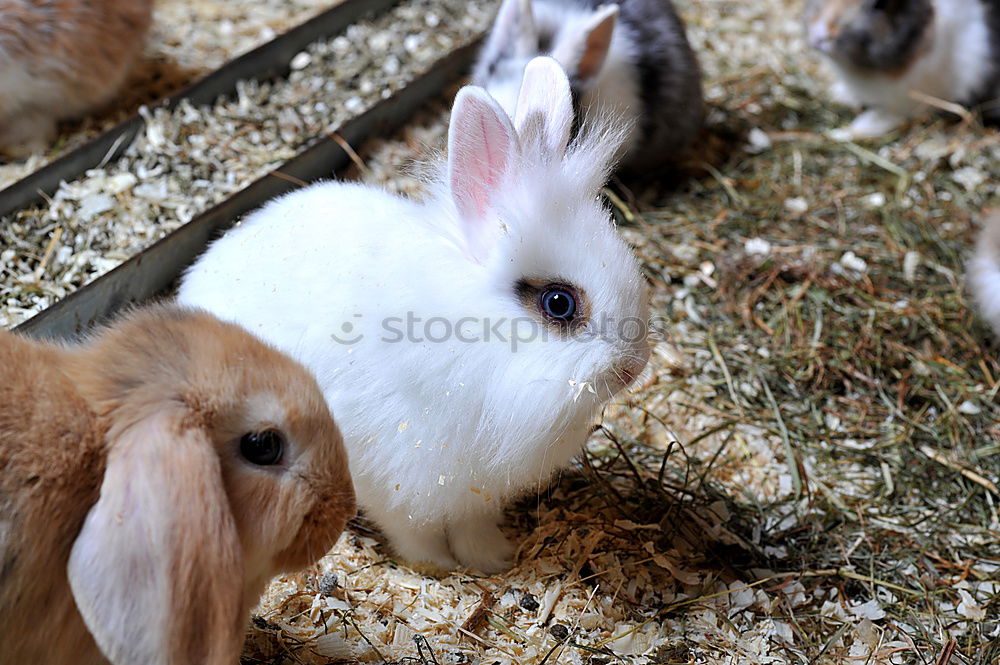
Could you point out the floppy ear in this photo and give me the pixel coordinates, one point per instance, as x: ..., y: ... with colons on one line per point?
x: 157, y: 570
x: 592, y: 44
x: 545, y: 106
x: 515, y: 26
x: 481, y: 147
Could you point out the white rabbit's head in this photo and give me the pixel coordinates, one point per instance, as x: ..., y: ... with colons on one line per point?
x: 527, y: 210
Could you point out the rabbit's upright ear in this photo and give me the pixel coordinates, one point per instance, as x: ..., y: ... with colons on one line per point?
x: 514, y: 28
x: 585, y: 53
x: 545, y: 107
x: 481, y: 146
x: 157, y: 570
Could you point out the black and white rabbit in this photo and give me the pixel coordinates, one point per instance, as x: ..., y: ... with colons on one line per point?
x: 632, y: 59
x: 885, y: 50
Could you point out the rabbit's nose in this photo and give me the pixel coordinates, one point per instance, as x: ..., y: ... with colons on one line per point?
x: 629, y: 369
x: 629, y: 373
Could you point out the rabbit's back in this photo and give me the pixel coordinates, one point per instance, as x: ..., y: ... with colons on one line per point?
x: 51, y: 459
x: 345, y: 241
x: 669, y: 78
x: 663, y: 70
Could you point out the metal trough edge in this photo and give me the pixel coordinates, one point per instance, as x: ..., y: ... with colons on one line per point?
x: 152, y: 271
x: 266, y: 61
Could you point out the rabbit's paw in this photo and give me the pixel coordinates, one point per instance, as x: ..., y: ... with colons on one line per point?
x: 479, y: 544
x: 26, y: 134
x: 870, y: 124
x: 841, y: 93
x: 427, y: 543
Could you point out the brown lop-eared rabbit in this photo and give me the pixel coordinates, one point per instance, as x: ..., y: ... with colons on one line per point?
x: 152, y: 480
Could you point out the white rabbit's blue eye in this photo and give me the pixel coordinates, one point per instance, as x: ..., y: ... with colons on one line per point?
x: 263, y: 448
x: 558, y: 304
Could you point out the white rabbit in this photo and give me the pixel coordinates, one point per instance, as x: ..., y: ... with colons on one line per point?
x: 631, y: 59
x: 984, y: 272
x: 152, y: 480
x: 884, y: 50
x: 465, y: 343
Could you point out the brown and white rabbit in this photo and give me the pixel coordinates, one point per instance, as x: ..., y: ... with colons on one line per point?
x: 60, y: 59
x: 984, y: 272
x: 884, y: 50
x: 152, y: 480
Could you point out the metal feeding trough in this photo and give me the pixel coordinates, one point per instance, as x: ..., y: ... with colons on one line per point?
x: 153, y: 271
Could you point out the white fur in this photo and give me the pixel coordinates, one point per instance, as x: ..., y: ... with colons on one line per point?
x: 440, y: 435
x: 546, y: 88
x: 954, y: 69
x: 984, y: 273
x: 870, y: 124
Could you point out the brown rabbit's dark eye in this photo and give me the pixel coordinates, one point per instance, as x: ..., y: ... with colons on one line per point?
x: 262, y: 448
x: 558, y: 303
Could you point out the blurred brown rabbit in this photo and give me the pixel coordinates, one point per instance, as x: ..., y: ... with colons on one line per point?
x: 152, y: 480
x: 60, y: 59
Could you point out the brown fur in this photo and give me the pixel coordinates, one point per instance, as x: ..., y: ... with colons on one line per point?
x: 154, y: 407
x: 51, y: 462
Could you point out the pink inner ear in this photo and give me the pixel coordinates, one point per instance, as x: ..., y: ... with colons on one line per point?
x: 481, y: 141
x: 481, y: 146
